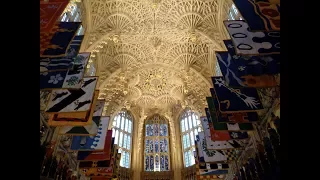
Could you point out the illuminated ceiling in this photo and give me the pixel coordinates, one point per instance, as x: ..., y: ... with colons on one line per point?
x: 153, y: 54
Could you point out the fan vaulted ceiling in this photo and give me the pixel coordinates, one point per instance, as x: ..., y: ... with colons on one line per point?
x: 153, y: 54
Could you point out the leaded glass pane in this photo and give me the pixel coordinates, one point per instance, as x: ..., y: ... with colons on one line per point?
x: 151, y: 163
x: 151, y: 146
x: 122, y: 122
x: 233, y: 7
x: 113, y: 132
x: 156, y: 145
x: 130, y: 127
x: 165, y: 145
x: 123, y: 158
x: 160, y: 130
x: 157, y: 162
x: 148, y: 130
x: 194, y: 121
x: 147, y: 163
x: 151, y: 130
x: 147, y: 146
x: 162, y: 145
x: 116, y: 137
x: 127, y: 159
x: 187, y: 140
x: 166, y: 163
x: 231, y: 16
x: 190, y: 122
x: 129, y: 142
x: 182, y: 126
x: 126, y: 125
x: 125, y: 141
x: 64, y: 17
x: 120, y: 139
x: 162, y: 162
x: 192, y: 138
x: 186, y: 124
x: 165, y: 130
x: 118, y: 121
x: 189, y: 157
x: 156, y: 129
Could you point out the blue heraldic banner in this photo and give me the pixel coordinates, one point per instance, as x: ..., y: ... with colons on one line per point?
x: 62, y: 63
x: 90, y: 142
x: 61, y: 40
x: 52, y: 80
x: 74, y: 47
x: 235, y: 100
x: 56, y: 64
x: 260, y: 14
x: 65, y: 79
x: 268, y: 64
x: 240, y: 117
x: 246, y: 71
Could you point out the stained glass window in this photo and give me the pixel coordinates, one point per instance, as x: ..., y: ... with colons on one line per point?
x: 64, y: 17
x: 218, y: 71
x: 73, y: 9
x: 156, y: 144
x: 190, y: 126
x: 70, y: 14
x: 77, y: 18
x: 234, y: 13
x: 121, y: 131
x: 80, y: 31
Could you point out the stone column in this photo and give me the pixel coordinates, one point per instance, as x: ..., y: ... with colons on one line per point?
x: 137, y: 146
x: 175, y: 150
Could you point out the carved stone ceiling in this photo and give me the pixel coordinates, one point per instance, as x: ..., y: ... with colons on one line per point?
x: 153, y: 54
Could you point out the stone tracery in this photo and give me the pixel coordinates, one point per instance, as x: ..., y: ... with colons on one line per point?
x: 153, y: 56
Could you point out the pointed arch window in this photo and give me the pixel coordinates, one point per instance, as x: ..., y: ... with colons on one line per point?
x: 190, y: 127
x: 156, y: 144
x: 122, y: 132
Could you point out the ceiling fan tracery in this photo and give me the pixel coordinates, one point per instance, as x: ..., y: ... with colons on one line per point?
x: 153, y: 53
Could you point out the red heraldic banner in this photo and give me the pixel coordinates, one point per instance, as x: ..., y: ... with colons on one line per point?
x: 50, y: 11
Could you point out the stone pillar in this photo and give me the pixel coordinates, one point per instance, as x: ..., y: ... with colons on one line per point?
x: 137, y: 146
x: 175, y: 150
